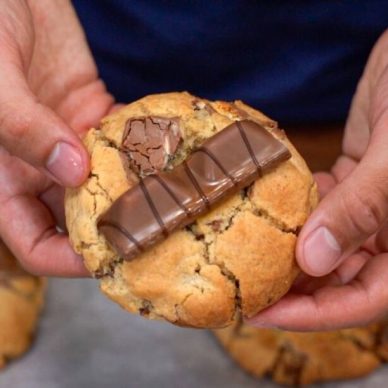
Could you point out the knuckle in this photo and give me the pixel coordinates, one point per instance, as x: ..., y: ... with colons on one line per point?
x: 363, y: 213
x: 19, y: 128
x: 13, y: 126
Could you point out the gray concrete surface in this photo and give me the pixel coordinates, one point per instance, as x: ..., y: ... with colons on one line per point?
x: 87, y: 341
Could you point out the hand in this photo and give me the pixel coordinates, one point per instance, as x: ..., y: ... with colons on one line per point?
x: 49, y: 95
x: 345, y: 241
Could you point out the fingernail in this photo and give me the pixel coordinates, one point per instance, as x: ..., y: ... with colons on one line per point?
x: 65, y: 163
x: 321, y: 252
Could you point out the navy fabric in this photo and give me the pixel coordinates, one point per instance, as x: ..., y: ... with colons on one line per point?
x: 298, y: 61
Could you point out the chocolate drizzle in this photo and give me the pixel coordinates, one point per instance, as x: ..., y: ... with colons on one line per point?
x: 153, y: 208
x: 217, y: 162
x: 161, y: 203
x: 173, y: 196
x: 196, y: 185
x: 249, y: 148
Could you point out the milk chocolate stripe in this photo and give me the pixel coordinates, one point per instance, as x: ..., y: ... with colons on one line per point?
x: 153, y: 208
x: 170, y: 192
x: 196, y: 185
x: 123, y: 231
x: 249, y: 148
x: 218, y: 163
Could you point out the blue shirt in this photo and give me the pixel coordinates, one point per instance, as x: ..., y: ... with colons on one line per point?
x: 298, y: 61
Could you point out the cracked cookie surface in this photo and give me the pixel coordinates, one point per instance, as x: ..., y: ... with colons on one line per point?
x: 237, y: 257
x: 304, y: 358
x: 21, y: 299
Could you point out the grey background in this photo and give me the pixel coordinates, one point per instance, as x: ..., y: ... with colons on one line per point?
x: 87, y: 341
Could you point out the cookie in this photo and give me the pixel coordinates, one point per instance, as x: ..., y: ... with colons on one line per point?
x: 304, y: 358
x: 237, y: 256
x: 21, y: 299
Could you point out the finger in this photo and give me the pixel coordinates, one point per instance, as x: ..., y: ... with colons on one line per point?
x: 116, y: 107
x: 362, y: 301
x: 343, y: 167
x: 371, y: 246
x: 381, y: 241
x: 96, y: 103
x: 352, y: 266
x: 346, y: 272
x: 354, y: 210
x: 28, y: 228
x: 325, y: 182
x: 54, y: 197
x: 42, y: 251
x: 360, y: 121
x: 306, y: 284
x: 36, y: 134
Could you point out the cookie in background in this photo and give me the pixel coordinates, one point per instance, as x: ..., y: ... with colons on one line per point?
x: 305, y: 358
x: 21, y: 301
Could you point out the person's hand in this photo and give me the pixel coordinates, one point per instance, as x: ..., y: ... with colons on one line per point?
x: 345, y: 241
x: 49, y: 95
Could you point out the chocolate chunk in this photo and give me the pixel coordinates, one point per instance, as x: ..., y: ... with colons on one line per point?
x: 161, y: 203
x: 150, y: 142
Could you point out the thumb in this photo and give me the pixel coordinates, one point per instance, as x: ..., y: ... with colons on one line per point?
x: 354, y: 210
x: 34, y: 133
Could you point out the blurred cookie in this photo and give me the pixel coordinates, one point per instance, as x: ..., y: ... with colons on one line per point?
x: 305, y: 358
x: 21, y: 299
x: 237, y: 257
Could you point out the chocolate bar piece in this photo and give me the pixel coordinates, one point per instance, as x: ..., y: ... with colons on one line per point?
x: 161, y: 203
x: 149, y: 142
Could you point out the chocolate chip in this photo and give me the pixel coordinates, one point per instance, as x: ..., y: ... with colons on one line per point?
x: 215, y: 225
x: 146, y: 308
x: 144, y: 311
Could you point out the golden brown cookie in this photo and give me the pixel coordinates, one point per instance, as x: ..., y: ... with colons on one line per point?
x: 21, y: 299
x: 237, y: 257
x: 304, y: 358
